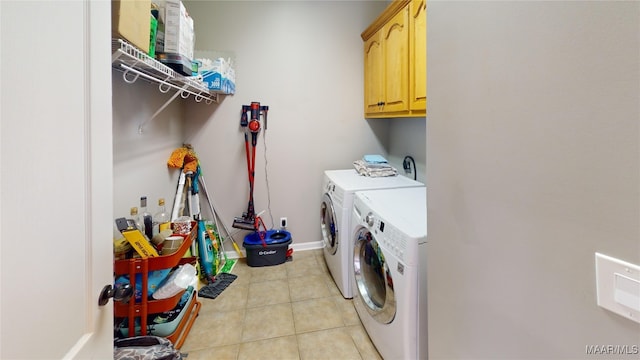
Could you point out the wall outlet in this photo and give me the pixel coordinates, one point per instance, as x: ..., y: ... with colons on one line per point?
x: 283, y: 222
x: 618, y: 286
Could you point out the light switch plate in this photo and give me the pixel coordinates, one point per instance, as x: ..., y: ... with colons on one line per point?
x: 618, y: 286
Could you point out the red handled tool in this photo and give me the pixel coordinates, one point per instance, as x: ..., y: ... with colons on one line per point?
x: 249, y: 220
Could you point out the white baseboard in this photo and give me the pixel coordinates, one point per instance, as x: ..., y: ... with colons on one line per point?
x: 308, y: 246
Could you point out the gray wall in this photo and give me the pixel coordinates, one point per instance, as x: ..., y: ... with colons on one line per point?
x: 532, y: 166
x: 139, y: 159
x: 407, y: 137
x: 302, y: 58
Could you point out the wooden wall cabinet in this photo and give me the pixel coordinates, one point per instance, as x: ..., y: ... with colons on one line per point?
x: 418, y: 55
x: 373, y: 81
x: 394, y: 63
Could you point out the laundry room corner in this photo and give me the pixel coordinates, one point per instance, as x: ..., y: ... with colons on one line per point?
x: 315, y: 119
x: 407, y: 140
x: 142, y: 144
x: 264, y: 149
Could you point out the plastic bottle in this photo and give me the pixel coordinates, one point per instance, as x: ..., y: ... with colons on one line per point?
x: 136, y: 218
x: 146, y: 218
x: 120, y: 245
x: 160, y: 218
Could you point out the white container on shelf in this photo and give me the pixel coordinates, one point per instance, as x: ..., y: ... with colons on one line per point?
x: 176, y: 31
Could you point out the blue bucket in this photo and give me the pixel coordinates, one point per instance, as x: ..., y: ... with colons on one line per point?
x: 270, y: 237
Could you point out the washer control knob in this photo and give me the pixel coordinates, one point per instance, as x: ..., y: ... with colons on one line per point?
x: 369, y: 219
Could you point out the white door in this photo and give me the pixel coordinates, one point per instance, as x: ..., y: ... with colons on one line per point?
x: 373, y: 279
x: 56, y: 179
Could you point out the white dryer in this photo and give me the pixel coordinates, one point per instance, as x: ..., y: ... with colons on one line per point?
x: 389, y: 260
x: 339, y: 187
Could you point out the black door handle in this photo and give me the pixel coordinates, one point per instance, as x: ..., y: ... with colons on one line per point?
x: 121, y: 293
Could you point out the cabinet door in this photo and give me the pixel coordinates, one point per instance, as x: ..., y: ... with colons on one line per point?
x: 396, y: 59
x: 373, y: 68
x: 418, y: 56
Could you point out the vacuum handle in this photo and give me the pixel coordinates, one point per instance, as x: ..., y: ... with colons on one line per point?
x: 255, y: 110
x: 265, y: 110
x: 244, y: 121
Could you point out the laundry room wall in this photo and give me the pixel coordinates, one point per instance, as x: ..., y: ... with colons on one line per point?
x: 304, y: 59
x: 140, y: 157
x: 532, y: 167
x: 407, y: 137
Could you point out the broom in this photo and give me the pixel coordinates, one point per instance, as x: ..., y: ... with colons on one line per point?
x: 186, y: 159
x: 215, y: 216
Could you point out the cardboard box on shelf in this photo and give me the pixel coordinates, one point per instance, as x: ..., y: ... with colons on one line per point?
x: 175, y: 30
x: 130, y: 21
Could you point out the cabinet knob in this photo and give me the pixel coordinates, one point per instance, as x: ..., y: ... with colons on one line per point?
x: 121, y: 293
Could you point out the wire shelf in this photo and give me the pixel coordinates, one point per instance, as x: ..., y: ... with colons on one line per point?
x: 134, y: 64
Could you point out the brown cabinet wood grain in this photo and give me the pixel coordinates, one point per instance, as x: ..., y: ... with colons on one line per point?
x: 395, y: 62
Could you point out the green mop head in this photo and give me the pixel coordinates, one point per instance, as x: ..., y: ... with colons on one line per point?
x: 228, y: 265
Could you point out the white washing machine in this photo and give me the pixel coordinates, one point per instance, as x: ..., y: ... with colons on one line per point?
x: 389, y: 262
x: 339, y: 187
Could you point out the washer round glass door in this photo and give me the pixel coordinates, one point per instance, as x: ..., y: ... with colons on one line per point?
x: 373, y: 278
x: 328, y: 225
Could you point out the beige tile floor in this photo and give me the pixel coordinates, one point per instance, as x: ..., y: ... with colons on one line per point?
x: 289, y: 311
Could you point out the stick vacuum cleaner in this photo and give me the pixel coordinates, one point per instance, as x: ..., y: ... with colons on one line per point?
x: 249, y: 220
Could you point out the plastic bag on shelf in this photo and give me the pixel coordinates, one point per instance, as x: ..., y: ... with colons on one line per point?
x: 178, y: 280
x: 155, y: 279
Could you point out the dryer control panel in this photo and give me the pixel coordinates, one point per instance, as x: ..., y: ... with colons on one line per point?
x: 393, y: 240
x: 387, y: 235
x: 389, y: 223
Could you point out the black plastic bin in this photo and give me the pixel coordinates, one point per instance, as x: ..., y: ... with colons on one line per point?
x: 275, y: 251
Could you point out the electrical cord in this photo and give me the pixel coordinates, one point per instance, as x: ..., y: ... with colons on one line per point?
x: 407, y: 166
x: 266, y: 176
